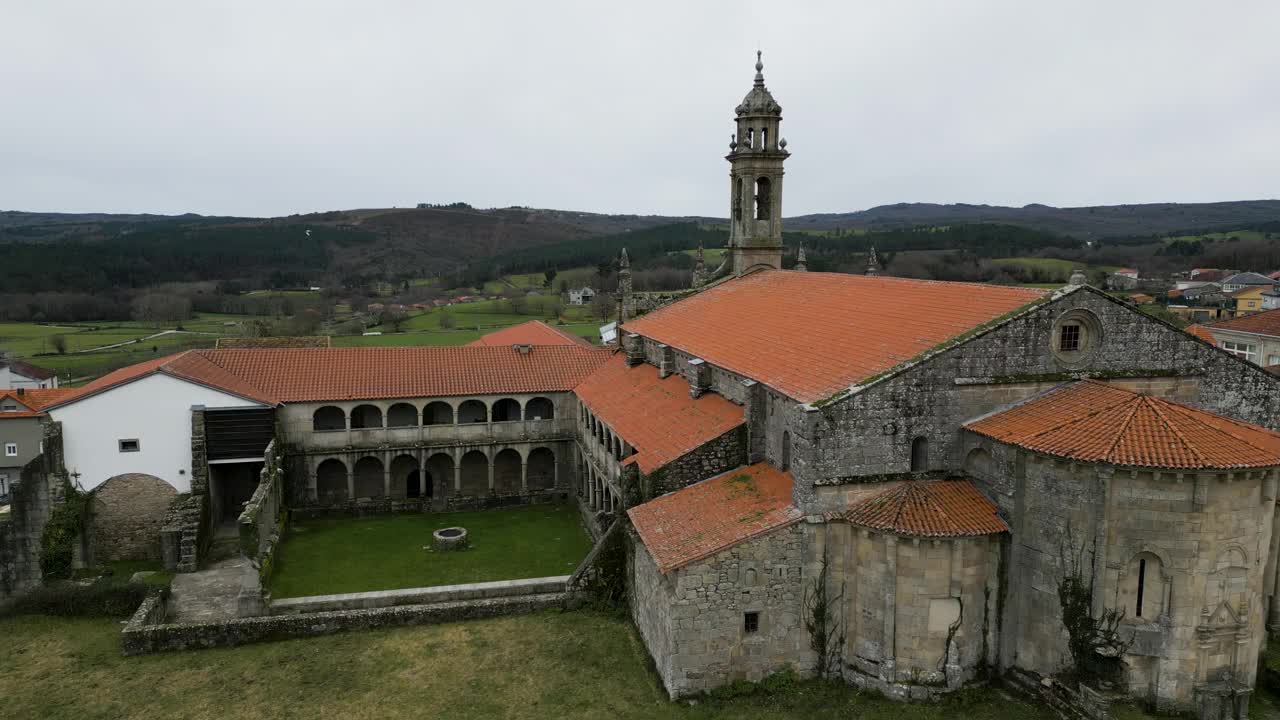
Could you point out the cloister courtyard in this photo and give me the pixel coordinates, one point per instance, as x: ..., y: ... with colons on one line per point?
x: 389, y: 552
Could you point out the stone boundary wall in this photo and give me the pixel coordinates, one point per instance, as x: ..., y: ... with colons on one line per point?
x: 418, y: 596
x: 140, y: 636
x: 180, y: 534
x: 391, y: 506
x: 20, y: 533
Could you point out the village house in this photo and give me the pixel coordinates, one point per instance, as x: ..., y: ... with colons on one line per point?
x: 16, y: 374
x: 1239, y: 281
x: 581, y: 296
x: 1255, y: 337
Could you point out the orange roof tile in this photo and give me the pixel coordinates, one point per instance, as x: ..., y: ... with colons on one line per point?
x: 656, y: 416
x: 929, y: 508
x: 700, y: 520
x: 275, y: 375
x: 37, y: 398
x: 809, y: 335
x: 1266, y: 322
x: 1092, y: 421
x: 1201, y: 332
x: 533, y: 332
x: 300, y: 341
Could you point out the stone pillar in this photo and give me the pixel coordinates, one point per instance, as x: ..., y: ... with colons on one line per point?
x: 890, y: 659
x: 667, y: 364
x: 351, y: 481
x: 490, y: 474
x: 457, y: 477
x: 700, y: 378
x: 635, y: 350
x: 386, y: 475
x: 524, y: 477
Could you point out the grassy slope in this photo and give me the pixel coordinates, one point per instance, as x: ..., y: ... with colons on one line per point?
x: 383, y: 553
x: 560, y: 665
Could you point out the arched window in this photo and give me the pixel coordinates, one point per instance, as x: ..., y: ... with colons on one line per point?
x: 1143, y: 587
x: 472, y: 411
x: 506, y: 410
x: 329, y: 418
x: 402, y: 415
x: 920, y: 454
x: 539, y: 408
x: 764, y: 198
x: 437, y: 413
x: 786, y: 450
x: 366, y: 416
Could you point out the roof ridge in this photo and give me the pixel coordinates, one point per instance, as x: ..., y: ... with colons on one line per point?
x: 1192, y: 415
x: 1124, y: 426
x: 1155, y: 407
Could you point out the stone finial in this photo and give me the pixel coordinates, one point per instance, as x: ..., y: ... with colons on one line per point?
x: 873, y: 264
x: 801, y: 266
x: 623, y: 260
x: 759, y: 70
x: 1077, y: 277
x: 699, y: 267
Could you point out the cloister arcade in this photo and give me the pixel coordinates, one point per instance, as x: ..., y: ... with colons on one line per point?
x: 405, y: 414
x: 436, y: 474
x: 602, y: 452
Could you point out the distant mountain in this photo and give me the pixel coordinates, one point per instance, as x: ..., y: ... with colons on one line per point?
x: 1079, y: 222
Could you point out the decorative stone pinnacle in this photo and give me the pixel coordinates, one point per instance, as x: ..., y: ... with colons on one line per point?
x: 759, y: 70
x: 623, y: 260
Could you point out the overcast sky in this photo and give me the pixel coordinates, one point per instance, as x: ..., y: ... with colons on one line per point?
x: 269, y: 107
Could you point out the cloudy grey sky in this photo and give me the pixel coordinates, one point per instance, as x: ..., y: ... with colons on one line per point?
x: 267, y: 107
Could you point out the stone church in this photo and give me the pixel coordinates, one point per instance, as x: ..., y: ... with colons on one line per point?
x: 961, y: 476
x: 940, y: 458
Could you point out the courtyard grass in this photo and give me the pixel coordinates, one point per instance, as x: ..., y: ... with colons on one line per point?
x: 566, y: 666
x: 321, y: 557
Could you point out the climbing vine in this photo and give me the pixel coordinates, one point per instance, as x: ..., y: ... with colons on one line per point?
x: 1095, y: 643
x: 824, y: 622
x: 57, y: 543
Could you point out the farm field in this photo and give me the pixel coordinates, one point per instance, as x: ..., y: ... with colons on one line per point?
x: 1052, y: 264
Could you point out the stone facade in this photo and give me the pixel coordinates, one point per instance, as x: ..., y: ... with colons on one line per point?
x: 695, y: 619
x: 127, y: 514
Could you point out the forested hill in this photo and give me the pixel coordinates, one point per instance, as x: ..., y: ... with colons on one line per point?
x: 1103, y: 221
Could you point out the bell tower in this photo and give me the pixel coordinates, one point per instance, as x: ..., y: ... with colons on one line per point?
x: 756, y: 154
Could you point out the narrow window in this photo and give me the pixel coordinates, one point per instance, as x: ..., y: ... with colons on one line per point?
x: 751, y: 138
x: 763, y: 198
x: 920, y: 454
x: 751, y: 622
x: 11, y: 449
x: 764, y: 138
x: 1142, y: 584
x: 1069, y: 338
x: 131, y: 445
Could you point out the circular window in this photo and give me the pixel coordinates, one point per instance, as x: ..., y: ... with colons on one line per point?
x: 1077, y: 334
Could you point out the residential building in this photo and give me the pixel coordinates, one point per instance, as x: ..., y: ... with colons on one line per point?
x: 18, y: 374
x: 581, y: 296
x: 1250, y: 299
x: 1255, y: 337
x: 21, y: 430
x: 1246, y: 279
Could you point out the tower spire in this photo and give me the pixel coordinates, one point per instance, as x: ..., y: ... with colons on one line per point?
x: 756, y: 154
x: 801, y: 265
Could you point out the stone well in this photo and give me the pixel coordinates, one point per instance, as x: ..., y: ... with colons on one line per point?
x: 452, y: 538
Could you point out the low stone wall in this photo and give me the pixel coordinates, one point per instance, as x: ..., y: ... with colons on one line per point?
x: 180, y: 534
x: 141, y: 637
x: 418, y: 596
x: 391, y: 506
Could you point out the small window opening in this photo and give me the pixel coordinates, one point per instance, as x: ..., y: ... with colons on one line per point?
x: 1069, y: 338
x: 751, y: 622
x: 11, y: 450
x: 920, y: 454
x: 763, y: 198
x: 764, y: 139
x: 131, y: 445
x: 1142, y: 585
x: 751, y: 137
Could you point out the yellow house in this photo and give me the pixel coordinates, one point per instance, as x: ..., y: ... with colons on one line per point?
x: 1249, y: 300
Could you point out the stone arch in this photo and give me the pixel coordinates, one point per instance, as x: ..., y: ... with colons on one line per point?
x: 475, y: 473
x: 506, y: 472
x: 128, y: 512
x: 472, y: 411
x: 368, y: 477
x: 978, y: 463
x: 402, y: 415
x: 437, y: 413
x: 541, y: 469
x: 506, y: 410
x: 406, y: 478
x: 331, y: 482
x: 366, y: 416
x: 764, y: 197
x: 539, y: 408
x: 1232, y: 556
x: 329, y: 418
x: 439, y: 471
x: 919, y: 454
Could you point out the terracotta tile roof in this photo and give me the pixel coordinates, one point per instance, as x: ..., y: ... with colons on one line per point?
x: 928, y: 508
x: 276, y: 375
x: 26, y: 369
x: 533, y: 332
x: 1266, y: 322
x: 809, y: 334
x: 1092, y: 421
x: 301, y: 341
x: 656, y: 416
x: 1201, y: 332
x: 36, y: 399
x: 700, y: 520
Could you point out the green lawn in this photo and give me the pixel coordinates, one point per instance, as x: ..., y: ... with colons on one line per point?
x: 589, y: 330
x: 345, y: 555
x: 566, y: 666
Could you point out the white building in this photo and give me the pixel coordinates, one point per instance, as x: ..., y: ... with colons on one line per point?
x: 581, y: 296
x: 16, y: 374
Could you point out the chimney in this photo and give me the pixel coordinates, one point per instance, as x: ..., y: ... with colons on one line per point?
x: 635, y: 350
x: 22, y: 391
x: 523, y: 349
x: 700, y: 378
x: 668, y: 363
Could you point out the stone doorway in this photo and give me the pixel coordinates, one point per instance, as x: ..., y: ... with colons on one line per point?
x: 231, y: 485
